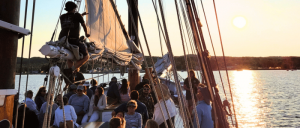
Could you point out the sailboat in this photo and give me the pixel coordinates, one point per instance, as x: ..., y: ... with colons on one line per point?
x: 109, y: 41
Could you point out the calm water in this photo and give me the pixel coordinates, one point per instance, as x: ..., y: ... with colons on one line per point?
x: 262, y: 99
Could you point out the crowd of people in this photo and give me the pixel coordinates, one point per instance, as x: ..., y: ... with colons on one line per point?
x: 137, y: 108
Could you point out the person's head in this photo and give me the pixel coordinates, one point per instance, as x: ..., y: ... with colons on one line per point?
x: 70, y: 6
x: 131, y: 106
x: 41, y: 92
x: 73, y: 88
x: 120, y: 115
x: 134, y: 95
x: 94, y: 82
x: 146, y: 89
x: 124, y: 87
x: 29, y: 94
x: 151, y: 124
x: 65, y: 101
x: 99, y: 91
x: 114, y: 79
x: 203, y: 94
x: 86, y: 84
x: 192, y: 73
x: 58, y: 99
x: 146, y: 81
x: 115, y: 122
x: 80, y: 90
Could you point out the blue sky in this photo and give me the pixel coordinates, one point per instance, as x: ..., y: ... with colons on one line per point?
x: 272, y: 27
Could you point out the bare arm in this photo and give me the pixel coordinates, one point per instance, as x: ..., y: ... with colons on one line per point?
x: 85, y: 29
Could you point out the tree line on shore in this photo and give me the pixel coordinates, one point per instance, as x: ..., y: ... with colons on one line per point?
x: 41, y: 65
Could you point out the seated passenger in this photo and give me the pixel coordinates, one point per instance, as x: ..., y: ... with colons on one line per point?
x: 117, y: 122
x: 151, y: 124
x: 120, y: 115
x: 157, y: 115
x: 133, y: 119
x: 203, y: 109
x: 31, y: 119
x: 70, y: 115
x: 87, y: 91
x: 97, y: 104
x: 72, y: 91
x: 30, y: 103
x: 80, y: 102
x: 141, y: 108
x: 124, y: 91
x: 40, y: 97
x: 94, y: 84
x: 146, y: 98
x: 113, y: 94
x: 43, y: 111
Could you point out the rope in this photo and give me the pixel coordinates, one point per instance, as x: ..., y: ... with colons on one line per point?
x: 225, y: 63
x: 21, y: 65
x: 51, y: 83
x: 32, y: 23
x: 146, y: 64
x: 187, y: 67
x: 54, y: 33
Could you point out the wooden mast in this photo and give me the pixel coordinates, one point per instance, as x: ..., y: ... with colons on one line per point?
x: 133, y: 73
x: 10, y: 13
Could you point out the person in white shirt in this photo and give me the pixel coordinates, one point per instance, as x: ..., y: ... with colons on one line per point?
x: 97, y: 104
x: 30, y: 103
x: 70, y: 115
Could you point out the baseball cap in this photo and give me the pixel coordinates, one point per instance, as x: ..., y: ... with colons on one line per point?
x: 80, y: 87
x: 86, y: 83
x: 73, y: 86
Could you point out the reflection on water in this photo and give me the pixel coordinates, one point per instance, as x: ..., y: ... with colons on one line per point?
x: 246, y: 98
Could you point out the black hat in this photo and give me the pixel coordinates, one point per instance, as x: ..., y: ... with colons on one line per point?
x: 70, y: 6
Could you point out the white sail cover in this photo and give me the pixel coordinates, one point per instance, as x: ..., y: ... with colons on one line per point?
x: 107, y: 34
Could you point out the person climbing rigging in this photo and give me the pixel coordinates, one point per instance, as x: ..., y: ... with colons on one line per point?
x: 70, y: 28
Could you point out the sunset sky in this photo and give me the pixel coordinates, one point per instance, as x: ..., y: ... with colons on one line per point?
x: 272, y: 26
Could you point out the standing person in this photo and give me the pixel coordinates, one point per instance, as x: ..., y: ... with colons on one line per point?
x: 72, y: 91
x: 151, y: 124
x: 80, y: 102
x: 30, y: 103
x: 97, y: 104
x: 133, y: 119
x: 70, y: 114
x: 94, y: 84
x: 78, y: 77
x: 87, y: 90
x: 70, y: 28
x: 113, y: 94
x: 40, y: 97
x: 203, y: 109
x: 124, y: 91
x: 146, y: 98
x: 141, y: 107
x: 186, y: 86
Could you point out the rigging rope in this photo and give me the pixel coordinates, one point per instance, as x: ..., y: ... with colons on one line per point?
x: 54, y: 33
x: 29, y: 55
x: 151, y: 81
x: 21, y: 65
x: 225, y: 63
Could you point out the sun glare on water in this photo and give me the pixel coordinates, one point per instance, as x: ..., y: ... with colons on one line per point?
x: 239, y: 22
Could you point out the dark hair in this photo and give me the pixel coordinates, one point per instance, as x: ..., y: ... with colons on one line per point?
x: 65, y: 100
x: 94, y: 82
x: 192, y: 71
x: 39, y: 93
x: 121, y: 112
x: 96, y: 98
x: 115, y: 122
x: 28, y: 92
x: 70, y: 6
x: 134, y: 95
x: 124, y: 86
x: 146, y: 86
x: 151, y: 124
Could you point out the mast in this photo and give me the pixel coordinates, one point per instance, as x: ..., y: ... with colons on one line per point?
x: 10, y: 13
x: 133, y: 73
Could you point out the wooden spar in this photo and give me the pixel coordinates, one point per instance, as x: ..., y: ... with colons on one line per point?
x: 10, y: 12
x: 133, y: 73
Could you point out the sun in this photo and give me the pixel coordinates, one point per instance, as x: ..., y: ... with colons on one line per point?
x: 239, y: 22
